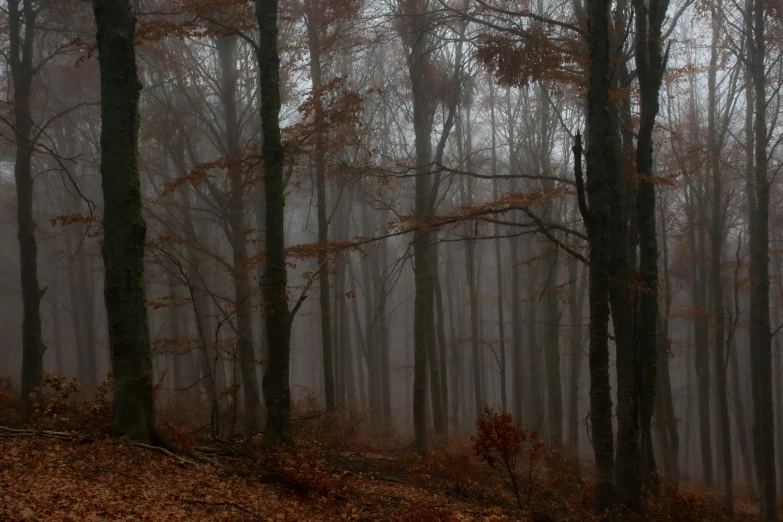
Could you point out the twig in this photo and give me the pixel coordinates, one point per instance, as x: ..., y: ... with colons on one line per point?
x: 166, y: 452
x: 12, y: 432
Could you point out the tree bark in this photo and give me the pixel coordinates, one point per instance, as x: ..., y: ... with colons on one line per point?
x: 133, y: 411
x: 498, y: 258
x: 577, y: 292
x: 602, y: 161
x: 313, y: 23
x: 235, y: 210
x: 760, y: 334
x: 414, y: 35
x: 21, y: 50
x: 277, y: 392
x: 716, y: 245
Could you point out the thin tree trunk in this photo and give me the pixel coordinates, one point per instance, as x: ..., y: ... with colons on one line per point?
x: 664, y: 409
x: 313, y: 22
x: 441, y: 332
x: 21, y: 50
x: 227, y: 49
x: 517, y: 368
x: 498, y: 258
x: 716, y: 242
x: 577, y: 292
x: 57, y: 327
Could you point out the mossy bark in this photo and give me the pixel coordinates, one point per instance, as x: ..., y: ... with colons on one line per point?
x: 276, y: 387
x: 133, y: 413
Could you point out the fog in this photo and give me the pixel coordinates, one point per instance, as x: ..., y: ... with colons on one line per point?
x: 438, y: 259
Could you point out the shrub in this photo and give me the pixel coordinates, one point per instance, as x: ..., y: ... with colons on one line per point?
x: 499, y: 442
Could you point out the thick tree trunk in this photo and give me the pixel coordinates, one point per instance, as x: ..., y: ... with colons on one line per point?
x: 133, y: 411
x: 277, y: 392
x: 602, y: 164
x: 760, y: 334
x: 415, y: 37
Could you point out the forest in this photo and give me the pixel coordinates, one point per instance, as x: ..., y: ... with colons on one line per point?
x: 409, y: 260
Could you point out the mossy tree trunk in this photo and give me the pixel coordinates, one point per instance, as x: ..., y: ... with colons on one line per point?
x: 133, y: 413
x: 276, y: 387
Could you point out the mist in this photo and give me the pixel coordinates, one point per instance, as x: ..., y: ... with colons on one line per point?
x: 407, y: 213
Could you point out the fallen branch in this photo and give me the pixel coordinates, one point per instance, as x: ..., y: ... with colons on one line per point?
x: 166, y: 452
x: 12, y: 432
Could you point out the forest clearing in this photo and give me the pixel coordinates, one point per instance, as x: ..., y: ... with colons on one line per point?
x: 391, y: 260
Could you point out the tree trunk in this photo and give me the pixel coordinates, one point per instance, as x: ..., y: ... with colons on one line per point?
x: 277, y: 392
x: 313, y: 23
x: 57, y: 327
x: 536, y: 415
x: 441, y: 332
x: 716, y: 245
x: 235, y: 210
x: 22, y: 71
x: 517, y: 368
x: 577, y: 292
x: 602, y: 161
x: 760, y: 334
x: 498, y: 258
x: 124, y: 229
x: 664, y: 408
x: 372, y: 340
x: 415, y: 38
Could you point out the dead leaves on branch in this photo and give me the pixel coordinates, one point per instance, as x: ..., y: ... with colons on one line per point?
x: 519, y: 61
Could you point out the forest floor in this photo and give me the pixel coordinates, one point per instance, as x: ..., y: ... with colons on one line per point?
x: 59, y: 464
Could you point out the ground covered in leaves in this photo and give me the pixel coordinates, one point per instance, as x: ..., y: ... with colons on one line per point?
x: 58, y: 463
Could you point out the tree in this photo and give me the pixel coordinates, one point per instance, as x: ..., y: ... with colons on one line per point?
x: 760, y: 332
x: 277, y: 392
x: 22, y: 26
x: 602, y: 167
x: 133, y: 411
